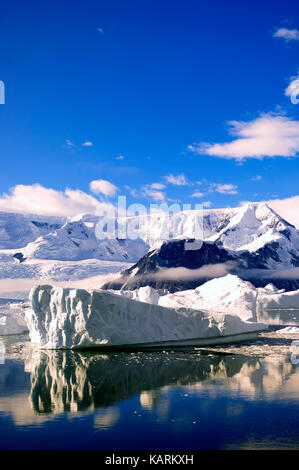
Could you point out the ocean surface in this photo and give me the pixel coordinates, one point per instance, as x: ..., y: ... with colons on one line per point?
x: 234, y: 397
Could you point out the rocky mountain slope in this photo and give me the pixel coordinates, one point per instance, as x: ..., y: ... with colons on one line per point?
x: 251, y: 241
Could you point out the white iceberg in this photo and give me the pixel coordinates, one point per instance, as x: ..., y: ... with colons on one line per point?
x: 278, y: 300
x: 62, y: 318
x: 225, y: 294
x: 228, y: 294
x: 293, y: 330
x: 12, y: 320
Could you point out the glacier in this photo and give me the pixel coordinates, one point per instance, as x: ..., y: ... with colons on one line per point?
x: 64, y: 318
x: 17, y: 230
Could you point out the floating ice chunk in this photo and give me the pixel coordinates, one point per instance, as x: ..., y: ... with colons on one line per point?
x: 278, y: 300
x: 12, y: 322
x: 62, y: 318
x: 143, y: 294
x: 288, y: 330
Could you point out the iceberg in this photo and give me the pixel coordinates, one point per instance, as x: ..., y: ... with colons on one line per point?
x: 225, y: 294
x: 12, y: 320
x: 289, y: 330
x: 64, y: 318
x: 228, y: 294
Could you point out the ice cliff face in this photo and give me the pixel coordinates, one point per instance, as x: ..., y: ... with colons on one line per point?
x: 75, y: 318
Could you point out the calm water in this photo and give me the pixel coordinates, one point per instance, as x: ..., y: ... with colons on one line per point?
x: 71, y: 400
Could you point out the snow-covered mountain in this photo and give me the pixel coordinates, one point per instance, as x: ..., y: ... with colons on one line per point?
x: 53, y: 249
x: 56, y: 238
x: 17, y: 230
x: 77, y: 241
x: 248, y: 227
x: 252, y: 241
x: 252, y: 237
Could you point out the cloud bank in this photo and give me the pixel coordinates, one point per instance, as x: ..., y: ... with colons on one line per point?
x: 266, y: 136
x: 209, y: 270
x: 287, y: 208
x: 36, y: 199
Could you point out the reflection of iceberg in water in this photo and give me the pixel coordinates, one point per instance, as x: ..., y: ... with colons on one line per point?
x: 106, y: 418
x: 71, y: 381
x: 149, y: 398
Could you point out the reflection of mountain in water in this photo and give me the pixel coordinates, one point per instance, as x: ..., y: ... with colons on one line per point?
x: 268, y: 378
x: 71, y: 381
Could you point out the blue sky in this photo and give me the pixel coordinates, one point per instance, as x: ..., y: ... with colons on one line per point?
x: 154, y: 83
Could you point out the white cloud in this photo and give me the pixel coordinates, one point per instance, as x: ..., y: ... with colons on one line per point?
x: 256, y: 178
x: 147, y: 191
x: 157, y: 186
x: 69, y: 144
x: 224, y: 188
x: 207, y: 204
x: 120, y: 157
x: 36, y: 199
x: 267, y: 136
x: 103, y: 187
x: 287, y: 34
x: 87, y: 144
x: 132, y: 191
x: 287, y: 208
x: 209, y: 270
x: 197, y: 194
x: 179, y: 180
